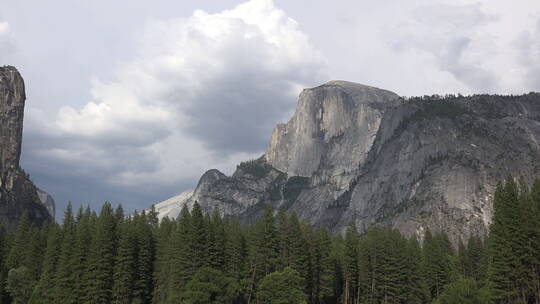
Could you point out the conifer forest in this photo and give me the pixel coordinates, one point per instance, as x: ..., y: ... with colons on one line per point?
x: 112, y: 257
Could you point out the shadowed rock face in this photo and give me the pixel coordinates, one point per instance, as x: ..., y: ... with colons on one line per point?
x: 17, y: 193
x: 354, y: 153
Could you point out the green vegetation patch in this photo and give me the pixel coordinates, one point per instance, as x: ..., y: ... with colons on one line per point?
x: 439, y: 108
x: 256, y: 167
x: 294, y: 186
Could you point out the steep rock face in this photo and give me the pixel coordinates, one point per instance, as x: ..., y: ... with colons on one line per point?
x: 48, y: 201
x: 330, y: 134
x: 17, y: 193
x: 245, y: 190
x: 353, y: 153
x: 435, y: 164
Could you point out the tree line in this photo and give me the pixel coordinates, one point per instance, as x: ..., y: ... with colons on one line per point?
x: 112, y: 257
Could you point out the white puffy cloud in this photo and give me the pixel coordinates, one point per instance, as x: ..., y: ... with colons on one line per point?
x: 203, y: 91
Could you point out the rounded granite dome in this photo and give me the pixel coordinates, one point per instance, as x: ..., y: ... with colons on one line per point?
x: 360, y: 92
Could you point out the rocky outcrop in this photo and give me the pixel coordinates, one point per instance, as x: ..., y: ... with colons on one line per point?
x: 48, y: 201
x: 172, y: 206
x: 17, y: 193
x: 354, y: 153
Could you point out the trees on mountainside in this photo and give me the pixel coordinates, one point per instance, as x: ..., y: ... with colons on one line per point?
x: 206, y: 258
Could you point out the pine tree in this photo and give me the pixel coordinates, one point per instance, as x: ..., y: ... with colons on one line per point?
x: 417, y: 290
x: 198, y: 238
x: 505, y: 269
x: 125, y: 268
x: 19, y: 244
x: 264, y: 255
x: 101, y: 261
x: 33, y: 255
x: 283, y: 238
x: 47, y: 282
x: 64, y: 291
x: 86, y: 222
x: 437, y: 252
x: 162, y: 265
x: 216, y: 241
x: 323, y: 268
x: 350, y: 265
x: 236, y: 251
x: 4, y: 249
x: 299, y: 251
x: 182, y: 264
x: 462, y: 259
x: 475, y: 264
x: 389, y: 268
x: 153, y: 218
x: 532, y: 217
x: 145, y: 245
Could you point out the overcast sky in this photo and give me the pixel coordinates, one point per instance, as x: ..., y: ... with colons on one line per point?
x: 132, y: 101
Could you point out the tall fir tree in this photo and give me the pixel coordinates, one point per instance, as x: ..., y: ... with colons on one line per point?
x: 323, y: 269
x: 236, y: 251
x: 125, y: 268
x: 299, y: 252
x: 145, y: 244
x: 162, y: 264
x: 532, y: 218
x: 86, y: 222
x: 264, y: 255
x: 47, y: 282
x: 182, y: 264
x: 101, y: 260
x: 504, y: 268
x: 216, y: 241
x: 350, y: 265
x: 64, y: 291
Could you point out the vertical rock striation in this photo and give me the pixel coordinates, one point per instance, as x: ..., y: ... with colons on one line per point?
x: 17, y: 193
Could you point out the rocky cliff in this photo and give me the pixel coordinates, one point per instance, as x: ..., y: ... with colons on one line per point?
x: 354, y: 153
x: 17, y: 193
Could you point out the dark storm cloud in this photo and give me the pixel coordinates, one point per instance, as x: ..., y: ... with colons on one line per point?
x: 238, y: 112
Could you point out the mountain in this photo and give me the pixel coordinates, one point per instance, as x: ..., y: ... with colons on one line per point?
x: 355, y: 153
x: 17, y: 193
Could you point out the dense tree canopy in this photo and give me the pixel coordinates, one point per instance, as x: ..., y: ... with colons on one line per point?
x: 111, y: 257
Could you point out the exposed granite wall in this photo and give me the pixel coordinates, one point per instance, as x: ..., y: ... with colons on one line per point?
x: 17, y: 193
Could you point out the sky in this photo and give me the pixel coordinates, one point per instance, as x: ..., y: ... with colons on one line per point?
x: 132, y: 101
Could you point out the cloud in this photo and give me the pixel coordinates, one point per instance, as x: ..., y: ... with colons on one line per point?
x: 174, y: 96
x: 7, y: 43
x: 529, y: 44
x: 453, y: 36
x: 201, y: 92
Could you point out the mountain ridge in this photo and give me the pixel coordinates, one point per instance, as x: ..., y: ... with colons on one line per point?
x: 355, y: 153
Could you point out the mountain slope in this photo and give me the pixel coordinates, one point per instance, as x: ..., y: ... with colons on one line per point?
x: 354, y: 153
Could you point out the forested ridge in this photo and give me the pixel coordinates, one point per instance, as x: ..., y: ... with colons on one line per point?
x: 112, y: 257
